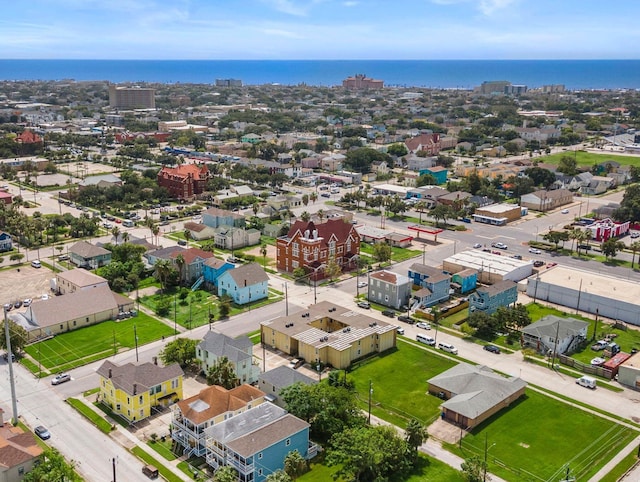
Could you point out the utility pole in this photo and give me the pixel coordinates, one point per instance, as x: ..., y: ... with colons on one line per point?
x: 113, y: 464
x: 286, y: 300
x: 370, y: 393
x: 12, y: 382
x: 175, y: 316
x: 135, y: 336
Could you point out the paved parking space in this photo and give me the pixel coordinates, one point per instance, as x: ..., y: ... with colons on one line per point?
x: 24, y: 282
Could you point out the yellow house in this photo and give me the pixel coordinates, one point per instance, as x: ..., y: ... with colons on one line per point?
x: 133, y: 390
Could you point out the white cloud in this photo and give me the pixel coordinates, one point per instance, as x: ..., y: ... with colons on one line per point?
x: 281, y: 33
x: 487, y: 7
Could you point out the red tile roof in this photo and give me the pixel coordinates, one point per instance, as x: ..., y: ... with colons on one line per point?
x: 191, y: 254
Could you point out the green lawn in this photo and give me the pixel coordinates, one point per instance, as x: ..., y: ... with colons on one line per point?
x: 584, y: 158
x: 537, y: 435
x: 397, y: 254
x: 148, y: 459
x: 91, y: 343
x: 89, y: 414
x: 163, y: 448
x: 619, y: 470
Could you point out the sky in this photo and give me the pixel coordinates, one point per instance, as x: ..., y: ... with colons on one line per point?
x: 320, y: 29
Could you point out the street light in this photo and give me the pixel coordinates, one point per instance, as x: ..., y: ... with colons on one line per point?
x: 486, y: 451
x: 14, y: 400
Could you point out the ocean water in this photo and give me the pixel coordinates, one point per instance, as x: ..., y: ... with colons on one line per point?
x: 462, y: 74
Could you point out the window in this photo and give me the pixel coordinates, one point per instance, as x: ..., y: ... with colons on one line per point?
x: 74, y: 322
x: 174, y: 383
x: 118, y: 406
x: 296, y: 249
x: 141, y: 399
x: 288, y: 442
x: 260, y: 456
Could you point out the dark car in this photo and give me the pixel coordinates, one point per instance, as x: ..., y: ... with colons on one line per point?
x: 406, y: 319
x: 17, y: 304
x: 364, y: 304
x: 538, y: 263
x: 182, y: 242
x: 492, y: 349
x: 42, y: 432
x: 389, y: 313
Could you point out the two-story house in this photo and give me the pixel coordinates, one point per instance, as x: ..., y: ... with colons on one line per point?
x: 214, y: 404
x: 430, y: 285
x: 213, y: 268
x: 244, y: 284
x: 272, y: 382
x: 133, y: 390
x: 191, y: 266
x: 239, y: 351
x: 554, y: 334
x: 389, y: 289
x: 490, y: 298
x: 215, y: 217
x: 546, y: 200
x: 85, y: 254
x: 257, y: 441
x: 310, y: 246
x: 6, y: 242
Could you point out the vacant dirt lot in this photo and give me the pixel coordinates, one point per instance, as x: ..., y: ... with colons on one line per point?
x: 28, y: 282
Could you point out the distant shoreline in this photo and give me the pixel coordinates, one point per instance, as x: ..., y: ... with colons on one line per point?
x: 438, y: 74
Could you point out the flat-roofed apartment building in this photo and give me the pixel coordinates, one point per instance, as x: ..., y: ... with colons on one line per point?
x: 329, y: 334
x: 131, y: 97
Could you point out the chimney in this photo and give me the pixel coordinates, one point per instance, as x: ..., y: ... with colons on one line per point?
x: 110, y: 373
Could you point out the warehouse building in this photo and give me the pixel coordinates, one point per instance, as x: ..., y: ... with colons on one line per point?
x: 491, y: 267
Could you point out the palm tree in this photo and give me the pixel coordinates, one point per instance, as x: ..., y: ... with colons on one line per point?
x: 320, y: 214
x: 313, y: 196
x: 420, y: 206
x: 180, y: 262
x: 263, y: 252
x: 187, y: 235
x: 125, y: 237
x: 155, y: 230
x: 574, y: 235
x: 305, y: 216
x: 162, y: 268
x: 255, y: 208
x: 115, y: 232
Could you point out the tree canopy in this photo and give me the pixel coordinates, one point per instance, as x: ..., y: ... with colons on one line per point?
x: 359, y: 160
x: 181, y: 351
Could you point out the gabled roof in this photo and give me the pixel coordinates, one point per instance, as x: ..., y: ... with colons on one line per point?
x: 85, y: 249
x: 80, y: 277
x: 283, y: 376
x: 497, y: 288
x: 235, y: 349
x: 551, y: 325
x: 390, y: 277
x: 216, y: 263
x: 16, y: 447
x: 191, y: 254
x: 332, y: 227
x: 165, y: 253
x: 216, y: 400
x: 137, y: 379
x: 475, y: 389
x: 434, y: 275
x: 247, y: 275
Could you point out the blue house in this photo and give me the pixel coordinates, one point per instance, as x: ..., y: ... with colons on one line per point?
x: 438, y: 172
x: 244, y: 284
x: 490, y: 298
x: 6, y: 243
x: 213, y: 268
x: 432, y: 284
x: 215, y: 217
x: 465, y: 281
x: 257, y: 441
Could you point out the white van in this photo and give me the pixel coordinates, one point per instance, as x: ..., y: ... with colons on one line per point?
x: 586, y: 381
x: 36, y: 263
x: 448, y: 348
x: 425, y: 339
x: 127, y: 223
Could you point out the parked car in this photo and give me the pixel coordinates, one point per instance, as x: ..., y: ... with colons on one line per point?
x: 535, y: 251
x: 63, y: 257
x: 5, y: 355
x: 423, y: 325
x: 425, y: 339
x: 587, y: 382
x: 499, y: 245
x: 517, y: 256
x: 182, y: 242
x: 42, y: 432
x: 27, y: 302
x: 599, y: 345
x: 492, y: 349
x: 389, y: 313
x: 565, y: 211
x: 448, y: 347
x: 36, y: 263
x: 362, y: 284
x: 296, y: 363
x: 325, y: 194
x: 406, y: 319
x: 635, y: 234
x: 538, y: 263
x: 399, y: 330
x: 477, y: 245
x: 60, y: 378
x: 364, y: 304
x: 17, y: 304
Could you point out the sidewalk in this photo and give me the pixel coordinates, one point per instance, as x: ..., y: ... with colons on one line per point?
x: 128, y: 440
x: 633, y: 446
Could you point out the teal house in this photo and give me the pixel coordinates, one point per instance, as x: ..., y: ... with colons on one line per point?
x: 244, y: 284
x: 490, y: 298
x: 438, y: 172
x: 464, y: 281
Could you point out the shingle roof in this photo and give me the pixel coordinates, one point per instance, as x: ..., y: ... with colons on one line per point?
x: 216, y: 400
x: 87, y: 250
x: 165, y: 253
x: 475, y: 389
x: 80, y: 277
x: 497, y: 288
x: 215, y: 263
x: 16, y: 446
x: 551, y: 324
x: 283, y: 376
x: 191, y: 254
x: 434, y: 275
x: 248, y: 275
x: 143, y: 376
x: 235, y: 349
x: 389, y: 277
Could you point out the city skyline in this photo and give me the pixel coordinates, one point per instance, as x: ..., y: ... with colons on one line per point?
x: 319, y: 29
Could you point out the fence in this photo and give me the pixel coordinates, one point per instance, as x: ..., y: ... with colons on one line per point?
x: 583, y: 367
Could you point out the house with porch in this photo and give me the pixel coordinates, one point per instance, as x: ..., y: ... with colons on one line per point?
x: 132, y: 391
x: 212, y: 269
x: 430, y: 285
x: 85, y: 254
x: 553, y: 334
x: 6, y: 242
x: 193, y: 259
x: 257, y: 441
x: 212, y: 405
x: 389, y: 289
x: 272, y: 382
x: 244, y: 284
x: 239, y: 352
x: 490, y: 298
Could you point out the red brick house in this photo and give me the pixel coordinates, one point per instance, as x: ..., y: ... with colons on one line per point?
x: 424, y: 142
x: 311, y: 246
x: 184, y: 181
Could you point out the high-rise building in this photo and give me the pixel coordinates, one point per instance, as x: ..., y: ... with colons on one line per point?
x: 228, y: 83
x: 131, y: 97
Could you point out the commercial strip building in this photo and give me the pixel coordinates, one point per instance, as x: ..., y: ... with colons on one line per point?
x: 587, y: 291
x: 498, y: 214
x: 326, y: 333
x: 491, y: 267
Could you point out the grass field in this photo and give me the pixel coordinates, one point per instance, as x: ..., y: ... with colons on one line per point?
x: 93, y: 417
x: 534, y: 438
x: 584, y: 158
x: 148, y: 459
x: 397, y: 254
x: 91, y: 343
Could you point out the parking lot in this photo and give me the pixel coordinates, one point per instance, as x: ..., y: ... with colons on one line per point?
x: 24, y: 282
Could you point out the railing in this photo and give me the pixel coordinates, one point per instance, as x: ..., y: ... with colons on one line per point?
x: 240, y: 467
x: 197, y: 284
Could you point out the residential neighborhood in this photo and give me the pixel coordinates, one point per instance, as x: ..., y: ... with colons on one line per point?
x: 227, y: 280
